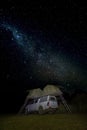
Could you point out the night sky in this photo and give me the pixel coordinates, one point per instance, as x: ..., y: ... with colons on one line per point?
x: 42, y: 43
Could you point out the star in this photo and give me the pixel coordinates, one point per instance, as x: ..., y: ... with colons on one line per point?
x: 25, y: 62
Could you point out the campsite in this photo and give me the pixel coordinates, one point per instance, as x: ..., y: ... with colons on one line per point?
x: 51, y: 90
x: 68, y: 116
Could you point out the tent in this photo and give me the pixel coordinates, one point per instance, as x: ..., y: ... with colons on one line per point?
x: 52, y: 90
x: 47, y: 90
x: 35, y: 93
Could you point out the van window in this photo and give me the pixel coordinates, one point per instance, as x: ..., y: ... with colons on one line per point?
x: 35, y: 101
x: 52, y: 99
x: 43, y: 99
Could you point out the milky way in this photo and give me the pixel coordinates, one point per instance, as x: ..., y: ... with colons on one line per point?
x: 47, y: 63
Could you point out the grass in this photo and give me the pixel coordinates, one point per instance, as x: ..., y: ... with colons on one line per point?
x: 44, y: 122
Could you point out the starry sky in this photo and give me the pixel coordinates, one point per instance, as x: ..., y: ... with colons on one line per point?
x: 43, y: 43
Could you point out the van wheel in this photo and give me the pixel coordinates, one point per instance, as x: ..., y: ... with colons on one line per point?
x: 41, y: 111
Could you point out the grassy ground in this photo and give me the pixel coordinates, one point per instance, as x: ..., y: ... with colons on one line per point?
x: 44, y: 122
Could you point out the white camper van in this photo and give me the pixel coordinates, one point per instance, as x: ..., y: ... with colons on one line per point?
x: 42, y: 105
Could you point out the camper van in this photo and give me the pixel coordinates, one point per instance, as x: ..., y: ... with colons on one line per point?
x: 44, y: 104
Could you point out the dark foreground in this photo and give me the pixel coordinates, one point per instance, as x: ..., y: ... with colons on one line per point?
x: 44, y: 122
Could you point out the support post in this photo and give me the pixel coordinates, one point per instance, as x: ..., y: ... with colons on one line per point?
x: 65, y: 104
x: 23, y: 106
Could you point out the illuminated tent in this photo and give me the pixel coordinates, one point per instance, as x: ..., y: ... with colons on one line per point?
x: 48, y: 90
x: 52, y: 90
x: 34, y: 93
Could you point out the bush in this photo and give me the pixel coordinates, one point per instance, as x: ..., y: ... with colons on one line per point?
x: 79, y: 103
